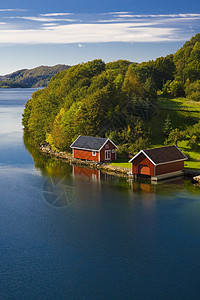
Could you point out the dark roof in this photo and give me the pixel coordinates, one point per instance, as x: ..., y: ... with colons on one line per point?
x: 164, y: 154
x: 89, y: 142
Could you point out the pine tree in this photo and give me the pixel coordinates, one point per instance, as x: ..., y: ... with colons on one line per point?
x: 167, y: 127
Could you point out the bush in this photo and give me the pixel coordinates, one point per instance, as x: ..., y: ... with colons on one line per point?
x: 192, y: 90
x: 123, y: 150
x: 173, y: 88
x: 140, y: 143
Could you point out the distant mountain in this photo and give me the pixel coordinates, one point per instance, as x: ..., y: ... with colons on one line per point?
x: 37, y: 77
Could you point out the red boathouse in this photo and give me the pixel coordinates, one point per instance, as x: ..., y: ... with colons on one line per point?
x: 94, y: 148
x: 159, y: 163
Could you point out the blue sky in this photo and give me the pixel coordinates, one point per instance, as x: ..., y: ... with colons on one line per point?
x: 34, y: 33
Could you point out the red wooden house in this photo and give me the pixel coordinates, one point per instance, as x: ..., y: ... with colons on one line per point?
x: 159, y: 163
x: 94, y: 148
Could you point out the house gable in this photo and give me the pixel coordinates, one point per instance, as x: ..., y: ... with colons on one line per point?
x: 142, y: 165
x: 162, y: 155
x: 108, y: 146
x: 94, y: 148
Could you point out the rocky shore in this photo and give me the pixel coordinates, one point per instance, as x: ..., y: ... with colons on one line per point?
x: 67, y: 157
x: 193, y: 175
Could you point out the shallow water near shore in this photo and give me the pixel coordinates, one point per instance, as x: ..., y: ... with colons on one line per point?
x: 75, y: 233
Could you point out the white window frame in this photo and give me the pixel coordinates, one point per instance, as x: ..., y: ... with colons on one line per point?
x: 107, y: 155
x: 94, y: 153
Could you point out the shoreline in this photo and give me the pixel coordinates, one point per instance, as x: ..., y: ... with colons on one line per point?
x: 66, y: 157
x: 107, y: 167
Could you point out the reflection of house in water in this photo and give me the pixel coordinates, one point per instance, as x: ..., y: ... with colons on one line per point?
x: 86, y: 173
x: 147, y: 193
x: 142, y: 187
x: 150, y: 190
x: 91, y: 174
x: 93, y: 178
x: 87, y: 178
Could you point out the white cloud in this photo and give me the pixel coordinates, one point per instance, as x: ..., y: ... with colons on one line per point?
x: 89, y: 33
x: 114, y: 27
x: 56, y: 14
x: 49, y: 24
x: 41, y: 19
x: 115, y: 13
x: 157, y: 19
x: 158, y: 15
x: 13, y: 9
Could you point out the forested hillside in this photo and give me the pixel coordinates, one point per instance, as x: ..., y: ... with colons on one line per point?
x: 37, y: 77
x: 175, y: 75
x: 117, y: 99
x: 91, y: 99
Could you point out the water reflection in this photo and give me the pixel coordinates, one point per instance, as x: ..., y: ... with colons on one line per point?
x: 46, y: 164
x: 131, y: 238
x: 87, y: 174
x: 49, y: 166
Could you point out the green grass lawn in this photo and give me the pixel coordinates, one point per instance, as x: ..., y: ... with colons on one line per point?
x: 193, y: 156
x: 122, y: 165
x: 179, y: 104
x: 122, y: 162
x: 183, y: 113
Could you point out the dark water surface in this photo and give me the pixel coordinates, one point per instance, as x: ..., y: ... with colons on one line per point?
x: 73, y: 233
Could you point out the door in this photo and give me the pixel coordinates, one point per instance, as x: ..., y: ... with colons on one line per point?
x: 107, y: 155
x: 143, y: 170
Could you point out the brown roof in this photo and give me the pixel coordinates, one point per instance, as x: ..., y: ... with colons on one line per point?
x: 163, y: 154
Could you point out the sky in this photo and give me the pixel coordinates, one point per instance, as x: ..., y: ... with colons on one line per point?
x: 34, y: 33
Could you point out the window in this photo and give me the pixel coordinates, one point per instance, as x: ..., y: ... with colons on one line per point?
x: 113, y: 150
x: 107, y: 155
x: 94, y: 153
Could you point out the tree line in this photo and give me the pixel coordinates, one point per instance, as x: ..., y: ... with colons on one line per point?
x: 92, y: 98
x: 113, y: 99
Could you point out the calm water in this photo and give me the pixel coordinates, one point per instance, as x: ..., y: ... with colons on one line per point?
x: 73, y: 233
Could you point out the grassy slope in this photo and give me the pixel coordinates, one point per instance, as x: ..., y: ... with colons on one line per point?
x: 183, y: 113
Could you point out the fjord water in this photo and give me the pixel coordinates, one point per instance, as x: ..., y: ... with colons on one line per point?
x: 73, y: 233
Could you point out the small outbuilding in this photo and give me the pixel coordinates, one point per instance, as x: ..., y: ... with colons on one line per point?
x: 94, y: 148
x: 159, y: 163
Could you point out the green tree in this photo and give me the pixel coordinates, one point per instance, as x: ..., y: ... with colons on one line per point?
x: 167, y: 127
x: 192, y: 90
x: 149, y: 89
x: 175, y: 136
x: 90, y: 99
x: 187, y: 60
x: 193, y: 136
x: 176, y: 88
x: 132, y: 86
